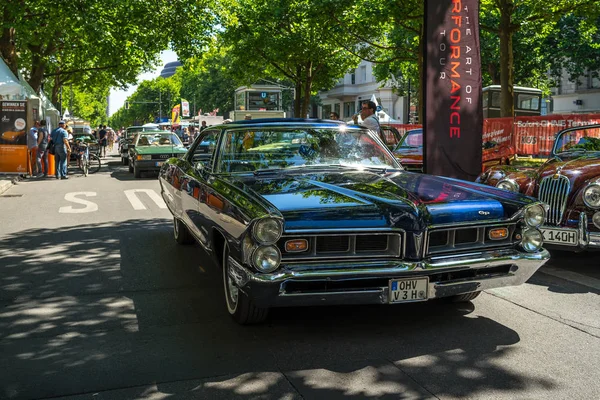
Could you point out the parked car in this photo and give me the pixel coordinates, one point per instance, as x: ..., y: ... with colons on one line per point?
x: 128, y: 138
x: 568, y: 182
x: 149, y: 150
x: 298, y: 212
x: 410, y: 150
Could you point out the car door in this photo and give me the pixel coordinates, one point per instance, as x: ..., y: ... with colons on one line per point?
x: 193, y: 182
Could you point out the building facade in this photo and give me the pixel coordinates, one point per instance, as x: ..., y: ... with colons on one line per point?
x: 357, y: 87
x: 581, y: 97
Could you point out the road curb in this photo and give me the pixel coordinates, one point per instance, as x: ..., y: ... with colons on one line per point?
x: 5, y: 184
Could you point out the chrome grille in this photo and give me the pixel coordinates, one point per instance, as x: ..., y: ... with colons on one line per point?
x: 344, y: 246
x: 161, y: 156
x: 554, y: 191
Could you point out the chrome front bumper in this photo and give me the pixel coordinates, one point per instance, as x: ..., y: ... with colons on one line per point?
x: 587, y: 240
x: 368, y: 282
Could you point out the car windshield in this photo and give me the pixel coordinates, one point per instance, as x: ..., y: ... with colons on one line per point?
x: 584, y: 139
x: 161, y: 139
x: 413, y: 139
x: 280, y: 148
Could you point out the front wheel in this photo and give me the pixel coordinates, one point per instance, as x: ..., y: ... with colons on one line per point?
x: 136, y: 172
x: 181, y: 233
x: 239, y: 305
x: 463, y: 298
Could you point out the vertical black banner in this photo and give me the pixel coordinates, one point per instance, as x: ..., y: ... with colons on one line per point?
x: 453, y: 120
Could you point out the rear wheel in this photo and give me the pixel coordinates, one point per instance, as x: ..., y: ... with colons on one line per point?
x: 181, y: 233
x: 239, y: 305
x: 463, y: 298
x: 94, y: 163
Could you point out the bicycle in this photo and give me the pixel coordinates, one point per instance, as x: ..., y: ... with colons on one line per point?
x: 88, y: 162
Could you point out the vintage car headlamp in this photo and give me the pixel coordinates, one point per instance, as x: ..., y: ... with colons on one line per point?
x: 508, y: 184
x: 591, y: 195
x: 596, y: 219
x: 267, y: 230
x: 532, y: 240
x: 534, y: 215
x: 266, y: 258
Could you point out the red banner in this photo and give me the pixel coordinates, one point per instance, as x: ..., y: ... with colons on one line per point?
x: 453, y: 121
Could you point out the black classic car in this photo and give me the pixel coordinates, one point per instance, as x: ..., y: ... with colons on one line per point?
x: 568, y: 182
x: 309, y: 212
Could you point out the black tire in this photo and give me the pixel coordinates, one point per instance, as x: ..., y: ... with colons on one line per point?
x: 130, y: 167
x: 136, y: 172
x: 124, y: 160
x: 463, y: 298
x: 181, y: 233
x: 95, y: 163
x: 239, y: 305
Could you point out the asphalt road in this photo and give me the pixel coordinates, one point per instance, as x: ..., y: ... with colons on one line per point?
x: 97, y: 301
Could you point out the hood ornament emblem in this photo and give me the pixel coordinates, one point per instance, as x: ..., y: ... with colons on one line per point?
x: 484, y: 212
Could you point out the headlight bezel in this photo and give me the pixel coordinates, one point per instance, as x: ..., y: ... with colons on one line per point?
x: 526, y: 234
x: 514, y: 187
x: 257, y: 231
x: 542, y: 213
x: 263, y: 248
x: 583, y: 195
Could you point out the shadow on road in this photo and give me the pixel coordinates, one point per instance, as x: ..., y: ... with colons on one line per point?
x: 585, y: 265
x: 120, y: 305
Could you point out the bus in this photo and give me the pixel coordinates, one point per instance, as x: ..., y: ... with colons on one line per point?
x: 528, y: 101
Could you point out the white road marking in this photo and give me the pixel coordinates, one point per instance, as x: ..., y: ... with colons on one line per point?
x: 137, y: 204
x: 572, y: 277
x: 89, y: 205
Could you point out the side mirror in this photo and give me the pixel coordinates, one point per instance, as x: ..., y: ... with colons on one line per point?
x: 132, y: 146
x: 199, y: 166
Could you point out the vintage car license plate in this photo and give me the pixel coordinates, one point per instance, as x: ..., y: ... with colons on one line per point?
x: 560, y: 236
x: 159, y: 163
x: 405, y: 290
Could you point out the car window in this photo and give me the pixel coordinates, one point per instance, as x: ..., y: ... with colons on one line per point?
x: 257, y: 149
x: 158, y: 139
x: 205, y: 147
x: 413, y: 139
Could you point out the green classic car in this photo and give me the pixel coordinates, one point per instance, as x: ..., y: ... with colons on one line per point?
x: 149, y: 150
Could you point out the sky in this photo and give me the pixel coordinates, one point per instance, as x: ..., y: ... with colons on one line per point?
x: 118, y: 97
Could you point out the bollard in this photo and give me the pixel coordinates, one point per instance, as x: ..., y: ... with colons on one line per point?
x: 51, y: 165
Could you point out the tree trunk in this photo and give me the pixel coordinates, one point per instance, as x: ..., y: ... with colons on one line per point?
x: 421, y: 88
x: 307, y: 89
x: 507, y: 108
x: 38, y: 67
x: 298, y: 94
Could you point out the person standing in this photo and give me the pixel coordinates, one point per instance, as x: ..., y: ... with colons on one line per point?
x: 32, y: 146
x: 62, y: 150
x: 203, y: 126
x: 102, y: 140
x: 334, y: 116
x: 42, y: 153
x: 369, y: 119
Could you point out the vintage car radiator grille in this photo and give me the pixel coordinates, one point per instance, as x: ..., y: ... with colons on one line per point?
x: 334, y: 246
x: 554, y: 191
x: 162, y: 156
x: 467, y: 238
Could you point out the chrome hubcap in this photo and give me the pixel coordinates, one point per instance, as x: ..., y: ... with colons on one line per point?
x: 232, y: 289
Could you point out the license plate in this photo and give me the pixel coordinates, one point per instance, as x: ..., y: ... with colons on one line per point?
x: 560, y: 236
x: 407, y: 290
x: 159, y: 163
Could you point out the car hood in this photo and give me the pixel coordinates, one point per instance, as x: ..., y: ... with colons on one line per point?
x: 577, y: 169
x: 160, y: 149
x: 359, y: 200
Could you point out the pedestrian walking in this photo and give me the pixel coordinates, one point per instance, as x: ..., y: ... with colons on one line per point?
x: 62, y: 150
x: 102, y: 140
x: 42, y: 153
x: 32, y: 146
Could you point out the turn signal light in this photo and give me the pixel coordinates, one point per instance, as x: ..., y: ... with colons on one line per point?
x: 498, y: 233
x: 296, y: 245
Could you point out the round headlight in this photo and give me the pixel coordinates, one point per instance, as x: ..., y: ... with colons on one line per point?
x: 534, y: 215
x: 532, y: 240
x: 507, y: 184
x: 591, y: 196
x: 267, y: 230
x: 596, y: 219
x: 266, y: 258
